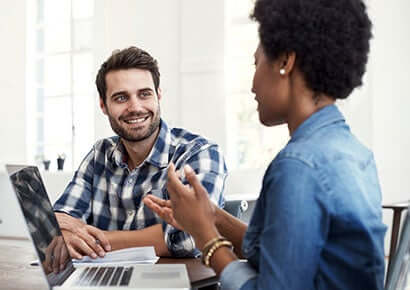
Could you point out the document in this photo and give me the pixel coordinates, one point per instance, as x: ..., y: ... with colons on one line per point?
x: 136, y: 255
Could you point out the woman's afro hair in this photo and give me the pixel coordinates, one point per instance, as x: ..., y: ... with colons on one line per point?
x: 330, y: 38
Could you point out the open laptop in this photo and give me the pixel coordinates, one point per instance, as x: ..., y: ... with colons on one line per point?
x: 48, y: 241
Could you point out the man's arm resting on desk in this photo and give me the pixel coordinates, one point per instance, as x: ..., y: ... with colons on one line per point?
x: 81, y: 238
x: 150, y: 236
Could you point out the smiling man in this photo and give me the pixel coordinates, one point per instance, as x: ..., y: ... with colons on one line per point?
x: 101, y: 209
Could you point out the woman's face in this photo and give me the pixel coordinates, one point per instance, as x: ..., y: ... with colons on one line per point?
x: 270, y: 89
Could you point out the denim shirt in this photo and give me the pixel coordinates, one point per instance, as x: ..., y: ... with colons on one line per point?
x: 317, y: 223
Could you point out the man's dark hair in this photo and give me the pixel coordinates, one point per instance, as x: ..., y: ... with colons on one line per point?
x: 330, y: 38
x: 128, y: 58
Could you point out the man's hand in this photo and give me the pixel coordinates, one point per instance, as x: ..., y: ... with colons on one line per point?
x: 82, y: 239
x: 67, y: 222
x: 56, y: 256
x: 162, y: 208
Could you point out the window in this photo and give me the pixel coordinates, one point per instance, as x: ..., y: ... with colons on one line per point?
x: 60, y: 79
x: 250, y: 144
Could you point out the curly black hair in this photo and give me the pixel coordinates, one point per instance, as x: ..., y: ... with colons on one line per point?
x: 331, y: 40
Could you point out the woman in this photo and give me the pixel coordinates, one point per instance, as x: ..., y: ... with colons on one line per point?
x: 317, y: 223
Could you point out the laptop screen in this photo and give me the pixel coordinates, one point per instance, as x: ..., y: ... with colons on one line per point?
x: 41, y: 222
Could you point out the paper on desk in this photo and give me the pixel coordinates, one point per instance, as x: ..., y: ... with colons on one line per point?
x: 136, y: 255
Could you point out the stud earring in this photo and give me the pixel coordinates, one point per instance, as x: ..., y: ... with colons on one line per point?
x: 282, y: 71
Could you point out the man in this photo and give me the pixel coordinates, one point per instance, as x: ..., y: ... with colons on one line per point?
x: 101, y: 209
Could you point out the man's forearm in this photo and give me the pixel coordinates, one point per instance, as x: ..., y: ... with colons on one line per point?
x: 150, y: 236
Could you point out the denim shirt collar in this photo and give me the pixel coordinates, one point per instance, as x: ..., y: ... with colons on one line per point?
x: 322, y: 118
x: 158, y: 156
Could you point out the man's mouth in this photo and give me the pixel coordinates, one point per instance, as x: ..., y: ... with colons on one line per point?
x: 136, y: 120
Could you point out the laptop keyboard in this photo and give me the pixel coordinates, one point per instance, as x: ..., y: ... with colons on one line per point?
x: 104, y: 276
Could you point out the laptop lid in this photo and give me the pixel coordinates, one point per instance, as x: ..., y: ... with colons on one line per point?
x: 41, y: 222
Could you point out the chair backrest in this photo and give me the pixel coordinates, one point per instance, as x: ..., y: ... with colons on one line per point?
x: 236, y: 207
x: 398, y: 276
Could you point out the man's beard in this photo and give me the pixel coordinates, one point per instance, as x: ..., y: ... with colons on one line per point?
x: 131, y: 135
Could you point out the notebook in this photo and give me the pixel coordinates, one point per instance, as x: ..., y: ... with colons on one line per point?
x: 48, y: 242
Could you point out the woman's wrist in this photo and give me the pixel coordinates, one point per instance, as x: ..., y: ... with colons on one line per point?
x: 218, y: 216
x: 205, y: 235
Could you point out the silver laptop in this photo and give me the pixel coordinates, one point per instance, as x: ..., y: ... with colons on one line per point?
x: 48, y: 241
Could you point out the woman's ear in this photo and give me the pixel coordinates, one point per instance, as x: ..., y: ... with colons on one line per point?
x: 287, y: 63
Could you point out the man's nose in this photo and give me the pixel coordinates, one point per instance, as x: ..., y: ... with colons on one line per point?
x: 134, y: 104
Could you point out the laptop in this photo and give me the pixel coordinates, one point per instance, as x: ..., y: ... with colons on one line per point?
x: 48, y: 242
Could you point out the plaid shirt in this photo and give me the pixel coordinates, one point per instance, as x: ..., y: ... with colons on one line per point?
x: 105, y: 194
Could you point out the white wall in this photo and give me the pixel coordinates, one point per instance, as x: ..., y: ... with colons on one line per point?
x: 391, y: 89
x: 12, y: 81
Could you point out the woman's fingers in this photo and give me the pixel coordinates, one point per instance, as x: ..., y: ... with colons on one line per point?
x: 174, y: 185
x: 199, y: 190
x: 158, y: 201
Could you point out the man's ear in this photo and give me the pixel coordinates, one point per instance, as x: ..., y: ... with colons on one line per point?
x: 159, y: 93
x: 103, y: 107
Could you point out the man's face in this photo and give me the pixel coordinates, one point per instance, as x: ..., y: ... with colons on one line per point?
x: 132, y: 104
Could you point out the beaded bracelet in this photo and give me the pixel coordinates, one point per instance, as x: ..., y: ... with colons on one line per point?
x: 209, y: 244
x: 207, y: 255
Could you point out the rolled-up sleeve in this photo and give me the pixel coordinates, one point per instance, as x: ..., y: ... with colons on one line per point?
x: 236, y: 274
x: 209, y: 166
x: 76, y: 198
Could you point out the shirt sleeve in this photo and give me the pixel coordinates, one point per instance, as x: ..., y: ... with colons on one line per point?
x: 209, y: 166
x: 76, y: 198
x: 292, y: 229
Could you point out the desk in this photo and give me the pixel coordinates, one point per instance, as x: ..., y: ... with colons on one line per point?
x: 17, y: 274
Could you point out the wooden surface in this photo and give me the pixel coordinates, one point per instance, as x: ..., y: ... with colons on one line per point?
x: 16, y: 273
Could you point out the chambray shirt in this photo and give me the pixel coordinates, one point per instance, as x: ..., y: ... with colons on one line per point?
x: 317, y: 223
x: 106, y: 194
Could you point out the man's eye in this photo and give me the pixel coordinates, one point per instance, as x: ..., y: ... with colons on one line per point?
x: 146, y: 93
x: 120, y: 98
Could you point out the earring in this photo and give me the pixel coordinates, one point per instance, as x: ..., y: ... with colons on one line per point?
x: 282, y: 71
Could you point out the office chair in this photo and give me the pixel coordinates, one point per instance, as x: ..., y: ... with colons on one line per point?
x: 236, y: 207
x: 398, y: 276
x: 397, y: 208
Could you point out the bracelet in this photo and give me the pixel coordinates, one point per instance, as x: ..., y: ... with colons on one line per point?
x: 207, y: 255
x: 209, y: 244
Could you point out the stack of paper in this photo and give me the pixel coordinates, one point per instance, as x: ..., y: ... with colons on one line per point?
x: 137, y: 255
